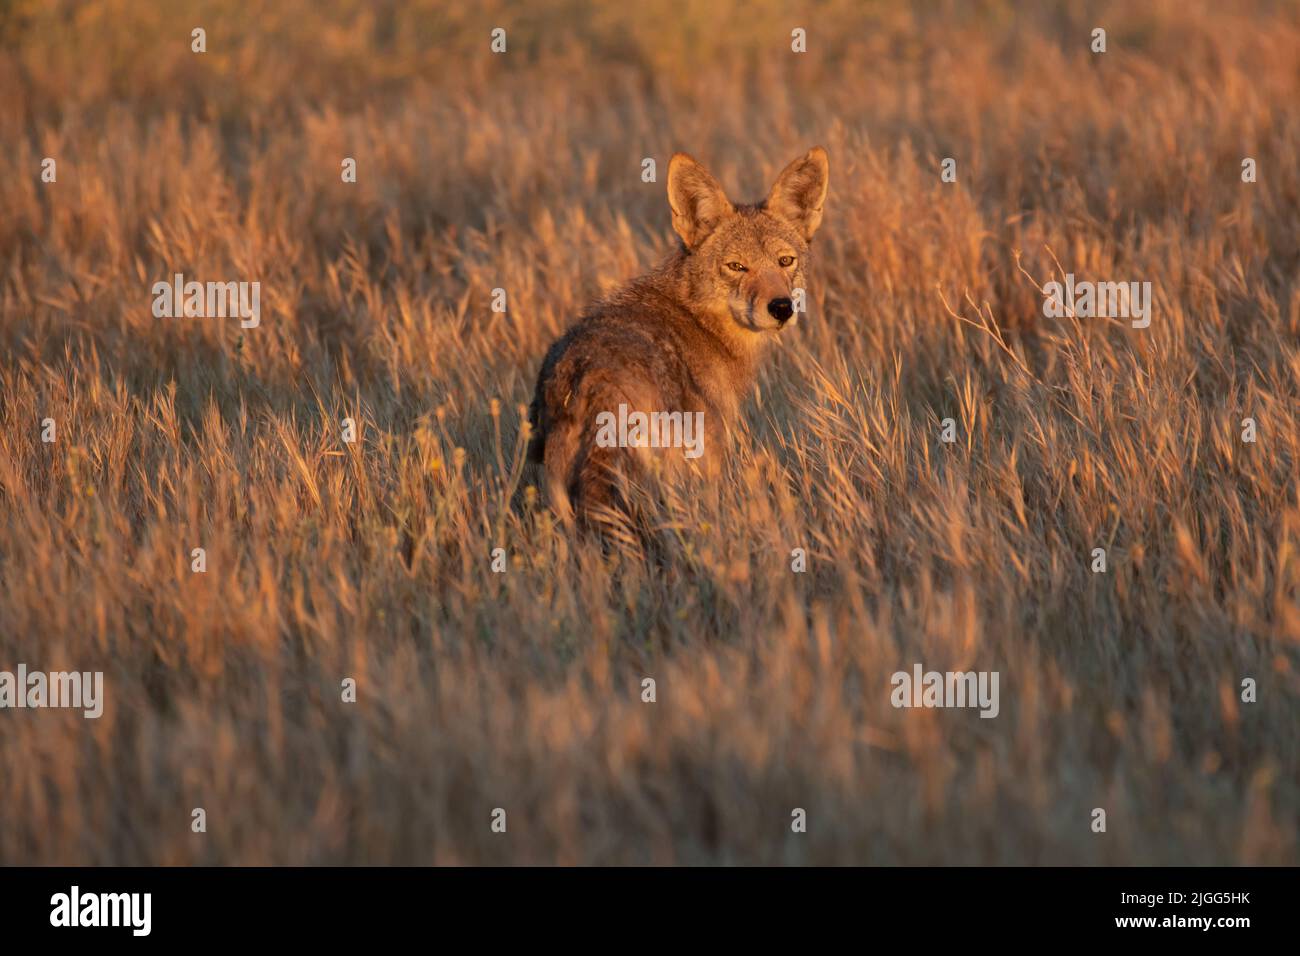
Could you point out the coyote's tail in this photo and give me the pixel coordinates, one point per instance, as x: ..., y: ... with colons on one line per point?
x: 586, y: 482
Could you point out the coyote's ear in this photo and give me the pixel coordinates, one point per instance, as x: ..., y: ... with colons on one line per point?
x: 800, y: 190
x: 698, y: 202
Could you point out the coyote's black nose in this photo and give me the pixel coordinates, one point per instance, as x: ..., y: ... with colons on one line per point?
x: 780, y: 309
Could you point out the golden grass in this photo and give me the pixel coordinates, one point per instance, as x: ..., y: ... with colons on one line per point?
x: 522, y: 690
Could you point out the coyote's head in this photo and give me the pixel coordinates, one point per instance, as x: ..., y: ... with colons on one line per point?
x: 746, y: 261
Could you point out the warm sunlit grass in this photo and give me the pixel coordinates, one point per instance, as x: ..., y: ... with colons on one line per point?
x: 522, y: 690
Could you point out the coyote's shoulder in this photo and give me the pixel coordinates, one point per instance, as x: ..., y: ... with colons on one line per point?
x: 682, y: 340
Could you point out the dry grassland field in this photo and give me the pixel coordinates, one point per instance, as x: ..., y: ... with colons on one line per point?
x: 316, y: 642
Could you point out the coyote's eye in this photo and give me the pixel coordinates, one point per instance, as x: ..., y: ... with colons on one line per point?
x: 786, y: 261
x: 736, y: 267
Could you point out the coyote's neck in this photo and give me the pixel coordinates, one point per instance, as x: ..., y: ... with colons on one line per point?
x: 738, y: 348
x: 722, y: 357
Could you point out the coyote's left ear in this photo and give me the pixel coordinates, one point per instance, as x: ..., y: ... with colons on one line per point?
x: 697, y: 201
x: 799, y: 192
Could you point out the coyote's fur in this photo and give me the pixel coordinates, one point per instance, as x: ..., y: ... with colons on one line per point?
x: 685, y: 338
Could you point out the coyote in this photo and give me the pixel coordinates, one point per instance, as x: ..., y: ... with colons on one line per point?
x: 683, y: 340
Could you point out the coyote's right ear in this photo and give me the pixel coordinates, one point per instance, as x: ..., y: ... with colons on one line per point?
x: 800, y: 192
x: 698, y: 202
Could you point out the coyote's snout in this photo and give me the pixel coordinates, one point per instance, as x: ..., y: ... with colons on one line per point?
x: 678, y: 345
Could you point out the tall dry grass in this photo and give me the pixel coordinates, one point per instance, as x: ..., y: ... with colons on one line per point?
x: 522, y: 690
